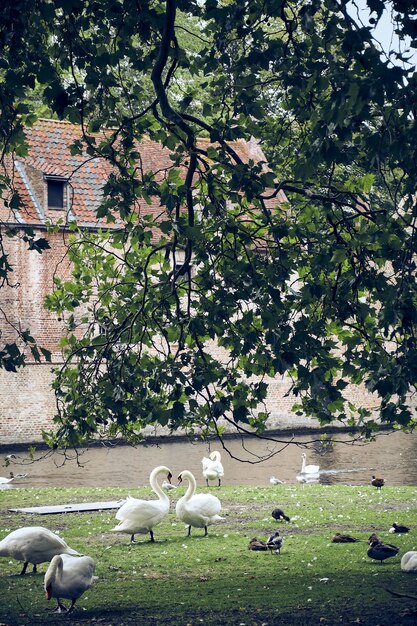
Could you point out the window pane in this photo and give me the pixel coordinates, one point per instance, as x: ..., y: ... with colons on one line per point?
x: 56, y: 194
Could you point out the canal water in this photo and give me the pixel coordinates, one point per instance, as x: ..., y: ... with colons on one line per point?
x: 250, y: 461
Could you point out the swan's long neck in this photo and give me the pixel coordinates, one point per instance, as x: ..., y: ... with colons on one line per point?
x: 192, y: 485
x: 55, y: 571
x: 156, y: 486
x: 303, y: 464
x: 215, y: 456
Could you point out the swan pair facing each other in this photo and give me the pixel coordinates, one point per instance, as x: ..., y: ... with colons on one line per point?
x: 212, y: 467
x: 141, y: 516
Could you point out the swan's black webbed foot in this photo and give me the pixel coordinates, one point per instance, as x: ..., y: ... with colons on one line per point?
x: 60, y: 608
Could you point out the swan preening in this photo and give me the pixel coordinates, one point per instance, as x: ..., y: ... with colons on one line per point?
x: 212, y: 467
x: 68, y: 577
x: 198, y: 510
x: 141, y: 516
x: 308, y: 469
x: 409, y: 562
x: 33, y: 544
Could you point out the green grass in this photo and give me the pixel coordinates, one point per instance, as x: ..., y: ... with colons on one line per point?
x: 217, y: 580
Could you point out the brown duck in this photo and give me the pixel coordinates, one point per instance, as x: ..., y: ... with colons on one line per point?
x: 339, y: 538
x: 256, y: 544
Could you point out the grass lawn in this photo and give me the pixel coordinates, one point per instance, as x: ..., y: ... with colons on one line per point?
x: 217, y: 580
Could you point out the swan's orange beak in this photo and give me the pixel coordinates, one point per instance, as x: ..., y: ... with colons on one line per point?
x: 48, y: 592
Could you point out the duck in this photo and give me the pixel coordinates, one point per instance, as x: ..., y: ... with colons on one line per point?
x: 279, y: 514
x: 33, y: 544
x: 68, y: 577
x: 308, y: 469
x: 381, y: 551
x: 257, y: 545
x: 409, y: 562
x: 374, y: 538
x: 275, y: 541
x: 339, y: 538
x: 212, y: 467
x: 198, y: 510
x: 141, y: 516
x: 377, y: 482
x: 398, y: 528
x: 276, y: 481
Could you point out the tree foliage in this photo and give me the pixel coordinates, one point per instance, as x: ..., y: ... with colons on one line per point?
x: 320, y: 287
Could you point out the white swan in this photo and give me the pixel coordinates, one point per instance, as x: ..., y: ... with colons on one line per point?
x: 198, y: 510
x: 140, y: 516
x: 308, y: 469
x: 68, y: 577
x: 33, y: 544
x: 212, y: 467
x: 4, y: 481
x: 409, y: 562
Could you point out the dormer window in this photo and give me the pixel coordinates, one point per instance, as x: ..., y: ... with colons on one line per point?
x: 57, y: 187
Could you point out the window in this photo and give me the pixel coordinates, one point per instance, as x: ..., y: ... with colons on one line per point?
x: 56, y: 192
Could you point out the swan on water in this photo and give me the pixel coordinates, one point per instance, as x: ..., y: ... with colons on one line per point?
x: 212, y: 467
x: 33, y: 544
x: 141, y: 516
x: 68, y: 577
x: 308, y: 469
x: 409, y: 562
x: 198, y: 510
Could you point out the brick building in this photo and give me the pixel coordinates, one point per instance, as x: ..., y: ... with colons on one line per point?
x: 58, y: 187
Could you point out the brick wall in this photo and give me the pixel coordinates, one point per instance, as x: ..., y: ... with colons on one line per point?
x: 27, y: 403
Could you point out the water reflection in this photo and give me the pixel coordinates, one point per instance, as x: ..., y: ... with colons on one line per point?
x: 393, y: 456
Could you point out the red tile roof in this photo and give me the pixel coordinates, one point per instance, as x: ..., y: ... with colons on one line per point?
x: 49, y: 155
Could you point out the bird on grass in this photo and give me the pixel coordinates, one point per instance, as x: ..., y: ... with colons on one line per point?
x: 279, y: 514
x: 257, y: 545
x: 374, y: 538
x: 398, y: 528
x: 276, y: 481
x: 68, y: 577
x: 212, y: 467
x: 141, y: 516
x: 33, y: 544
x: 381, y: 551
x: 377, y: 482
x: 339, y: 538
x: 409, y: 562
x: 198, y: 510
x: 275, y: 541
